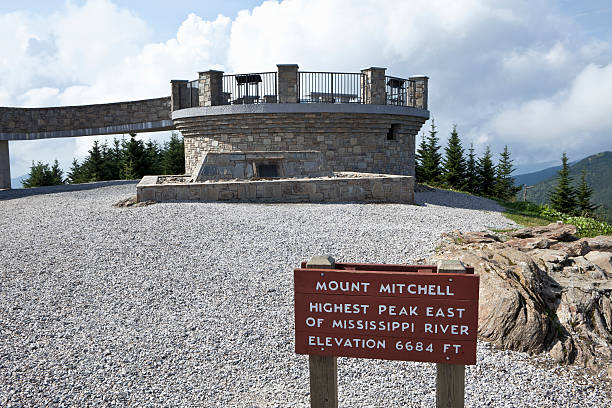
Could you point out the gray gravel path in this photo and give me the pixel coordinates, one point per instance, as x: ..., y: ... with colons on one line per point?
x: 190, y: 304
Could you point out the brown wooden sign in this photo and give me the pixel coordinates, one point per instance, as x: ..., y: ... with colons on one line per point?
x: 391, y: 312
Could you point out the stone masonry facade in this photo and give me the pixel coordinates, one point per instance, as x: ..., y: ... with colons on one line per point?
x: 370, y: 188
x: 350, y: 141
x: 217, y: 166
x: 35, y: 120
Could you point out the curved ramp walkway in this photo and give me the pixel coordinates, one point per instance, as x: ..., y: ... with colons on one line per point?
x: 149, y: 115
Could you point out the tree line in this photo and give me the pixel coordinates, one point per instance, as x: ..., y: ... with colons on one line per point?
x: 123, y: 160
x: 480, y: 176
x: 457, y: 170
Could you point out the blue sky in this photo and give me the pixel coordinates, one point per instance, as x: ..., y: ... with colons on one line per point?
x: 535, y: 75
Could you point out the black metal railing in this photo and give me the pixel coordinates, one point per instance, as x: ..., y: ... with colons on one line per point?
x: 400, y: 91
x: 241, y: 89
x: 331, y: 87
x: 192, y: 90
x: 188, y: 95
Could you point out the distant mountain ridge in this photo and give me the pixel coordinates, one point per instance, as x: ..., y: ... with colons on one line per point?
x: 17, y: 181
x: 535, y: 177
x: 530, y: 179
x: 598, y: 169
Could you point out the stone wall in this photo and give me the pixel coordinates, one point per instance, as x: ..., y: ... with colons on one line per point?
x: 73, y: 118
x: 350, y: 141
x: 349, y: 188
x: 227, y: 166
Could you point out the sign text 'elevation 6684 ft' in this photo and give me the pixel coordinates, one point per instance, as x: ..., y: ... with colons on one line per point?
x: 391, y: 312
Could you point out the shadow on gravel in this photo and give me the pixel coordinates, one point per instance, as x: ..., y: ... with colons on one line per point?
x: 456, y: 200
x: 28, y: 192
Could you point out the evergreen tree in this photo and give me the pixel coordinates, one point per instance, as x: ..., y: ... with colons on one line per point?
x: 94, y: 163
x: 486, y: 174
x: 563, y: 197
x: 583, y: 197
x: 43, y: 175
x: 173, y: 161
x: 504, y: 182
x: 420, y: 153
x: 152, y: 158
x: 471, y: 172
x: 112, y: 158
x: 134, y: 164
x: 432, y: 158
x: 454, y: 162
x: 76, y: 174
x: 57, y: 175
x: 127, y: 170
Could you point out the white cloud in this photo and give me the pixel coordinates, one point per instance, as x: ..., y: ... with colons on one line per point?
x: 499, y: 70
x: 573, y: 119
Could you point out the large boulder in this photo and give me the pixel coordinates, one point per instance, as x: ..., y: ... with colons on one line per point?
x: 556, y: 230
x: 540, y: 300
x: 600, y: 243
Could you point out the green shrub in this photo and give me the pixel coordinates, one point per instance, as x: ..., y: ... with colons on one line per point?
x: 530, y: 214
x: 585, y: 227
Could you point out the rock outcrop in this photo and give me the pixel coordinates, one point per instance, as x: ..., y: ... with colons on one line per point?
x: 542, y: 290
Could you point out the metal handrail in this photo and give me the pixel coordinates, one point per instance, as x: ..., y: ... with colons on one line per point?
x: 259, y: 87
x: 331, y: 87
x: 400, y: 91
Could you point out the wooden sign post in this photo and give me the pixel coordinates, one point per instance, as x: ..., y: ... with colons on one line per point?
x: 323, y: 369
x: 392, y: 312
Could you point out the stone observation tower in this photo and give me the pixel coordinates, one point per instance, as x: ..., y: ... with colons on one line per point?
x: 362, y: 121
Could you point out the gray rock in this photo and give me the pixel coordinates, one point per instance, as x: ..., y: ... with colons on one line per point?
x: 601, y: 259
x: 557, y: 231
x: 538, y: 300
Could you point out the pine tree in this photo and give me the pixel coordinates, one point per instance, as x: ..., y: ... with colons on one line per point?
x: 56, y: 175
x: 112, y: 160
x: 94, y: 163
x: 504, y: 182
x: 134, y: 161
x: 43, y: 175
x: 471, y: 172
x: 152, y: 158
x: 583, y: 197
x: 75, y: 174
x: 563, y: 197
x: 486, y: 174
x: 420, y: 154
x: 432, y: 171
x: 454, y: 162
x: 173, y: 161
x: 127, y: 170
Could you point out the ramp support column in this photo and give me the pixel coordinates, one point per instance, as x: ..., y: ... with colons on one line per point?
x: 5, y: 165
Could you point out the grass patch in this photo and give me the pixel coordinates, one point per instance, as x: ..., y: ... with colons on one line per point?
x: 524, y: 213
x: 530, y: 215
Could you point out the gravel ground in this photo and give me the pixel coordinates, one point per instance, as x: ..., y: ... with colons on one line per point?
x: 191, y: 304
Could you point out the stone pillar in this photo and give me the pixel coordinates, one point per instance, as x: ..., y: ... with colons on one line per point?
x: 5, y: 165
x: 420, y: 91
x: 210, y: 88
x: 374, y: 86
x: 288, y: 83
x: 179, y: 96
